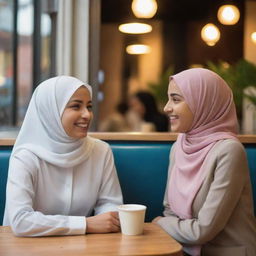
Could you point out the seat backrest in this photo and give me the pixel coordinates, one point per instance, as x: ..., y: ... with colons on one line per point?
x: 251, y: 157
x: 5, y: 153
x: 142, y: 170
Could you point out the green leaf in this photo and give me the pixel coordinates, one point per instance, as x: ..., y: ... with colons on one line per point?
x: 238, y: 76
x: 251, y: 98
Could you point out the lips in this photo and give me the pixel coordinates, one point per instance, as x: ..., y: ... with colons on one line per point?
x: 82, y: 125
x: 173, y: 117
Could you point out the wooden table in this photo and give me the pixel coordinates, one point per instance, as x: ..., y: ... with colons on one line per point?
x: 154, y: 241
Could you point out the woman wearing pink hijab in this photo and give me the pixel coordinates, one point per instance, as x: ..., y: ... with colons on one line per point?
x: 208, y: 200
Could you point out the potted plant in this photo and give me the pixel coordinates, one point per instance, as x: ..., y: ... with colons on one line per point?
x: 239, y: 76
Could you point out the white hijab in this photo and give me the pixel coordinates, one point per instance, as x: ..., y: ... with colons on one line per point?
x: 42, y: 132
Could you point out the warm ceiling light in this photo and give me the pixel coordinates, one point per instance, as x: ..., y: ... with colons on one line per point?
x: 135, y: 28
x: 210, y: 34
x: 228, y: 14
x: 253, y: 37
x: 144, y: 8
x: 138, y: 49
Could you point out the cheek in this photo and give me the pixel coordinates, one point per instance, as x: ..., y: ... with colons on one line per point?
x: 67, y: 118
x: 63, y: 119
x: 65, y: 122
x: 142, y: 109
x: 91, y: 116
x: 188, y: 117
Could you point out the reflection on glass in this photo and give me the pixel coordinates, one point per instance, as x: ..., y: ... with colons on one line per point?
x: 6, y: 65
x: 25, y: 53
x: 46, y: 46
x: 16, y: 43
x: 25, y: 32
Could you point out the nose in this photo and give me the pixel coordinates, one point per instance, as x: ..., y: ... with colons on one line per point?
x: 167, y: 107
x: 85, y: 113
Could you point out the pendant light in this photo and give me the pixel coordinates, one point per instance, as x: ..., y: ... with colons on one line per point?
x: 253, y: 37
x: 210, y: 34
x: 144, y: 8
x: 228, y: 14
x: 138, y: 49
x: 135, y: 28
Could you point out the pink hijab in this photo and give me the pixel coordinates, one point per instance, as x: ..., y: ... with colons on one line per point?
x: 211, y: 101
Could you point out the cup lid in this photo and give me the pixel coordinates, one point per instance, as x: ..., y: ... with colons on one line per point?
x: 131, y: 207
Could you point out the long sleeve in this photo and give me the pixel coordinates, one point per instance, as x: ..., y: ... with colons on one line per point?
x: 24, y: 220
x: 110, y: 195
x: 229, y: 175
x: 44, y: 199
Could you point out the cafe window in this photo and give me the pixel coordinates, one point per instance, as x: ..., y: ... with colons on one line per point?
x: 6, y: 60
x: 27, y: 54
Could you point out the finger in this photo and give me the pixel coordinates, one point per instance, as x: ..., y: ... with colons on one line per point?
x: 115, y: 228
x: 115, y: 214
x: 115, y: 221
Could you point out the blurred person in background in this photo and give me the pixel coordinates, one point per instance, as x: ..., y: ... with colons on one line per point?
x: 144, y: 114
x: 117, y: 121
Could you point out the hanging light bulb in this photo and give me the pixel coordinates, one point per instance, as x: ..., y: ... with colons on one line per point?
x: 135, y: 28
x: 228, y: 14
x: 138, y: 49
x: 144, y: 8
x: 253, y: 37
x: 210, y: 34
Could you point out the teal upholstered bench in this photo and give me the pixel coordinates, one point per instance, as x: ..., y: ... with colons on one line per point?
x: 5, y: 152
x: 142, y: 169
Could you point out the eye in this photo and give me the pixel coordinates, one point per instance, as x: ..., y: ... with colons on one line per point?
x: 75, y: 106
x: 89, y: 107
x: 176, y: 99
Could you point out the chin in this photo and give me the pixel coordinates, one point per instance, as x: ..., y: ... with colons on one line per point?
x: 79, y: 136
x: 173, y: 129
x: 82, y: 136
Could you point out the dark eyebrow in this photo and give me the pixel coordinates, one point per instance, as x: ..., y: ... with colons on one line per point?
x: 175, y: 94
x: 77, y: 101
x: 80, y: 101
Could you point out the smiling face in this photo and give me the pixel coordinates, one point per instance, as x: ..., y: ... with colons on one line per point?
x: 177, y: 109
x: 77, y: 114
x: 137, y: 106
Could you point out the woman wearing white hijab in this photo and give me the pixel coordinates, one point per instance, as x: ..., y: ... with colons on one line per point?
x: 58, y: 176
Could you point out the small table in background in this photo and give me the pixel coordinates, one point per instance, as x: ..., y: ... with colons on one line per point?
x: 154, y: 241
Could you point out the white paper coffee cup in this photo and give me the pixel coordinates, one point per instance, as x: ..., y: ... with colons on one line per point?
x: 131, y: 218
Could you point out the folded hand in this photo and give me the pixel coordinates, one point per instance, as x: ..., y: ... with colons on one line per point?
x: 103, y: 223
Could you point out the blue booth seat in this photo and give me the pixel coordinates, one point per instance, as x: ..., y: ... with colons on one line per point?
x: 142, y: 170
x: 251, y: 156
x: 4, y: 163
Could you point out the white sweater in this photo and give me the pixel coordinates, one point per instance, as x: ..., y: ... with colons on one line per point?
x: 43, y: 199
